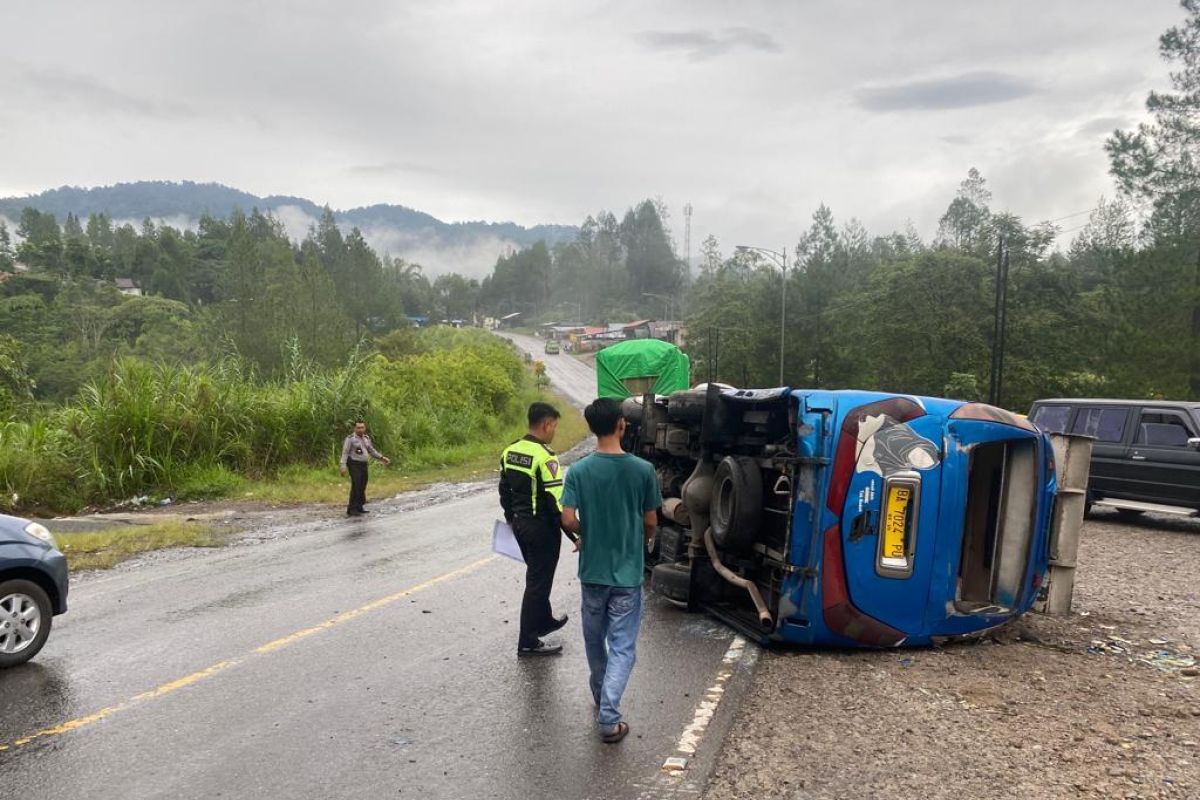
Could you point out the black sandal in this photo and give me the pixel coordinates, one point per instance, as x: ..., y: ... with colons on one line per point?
x: 620, y: 733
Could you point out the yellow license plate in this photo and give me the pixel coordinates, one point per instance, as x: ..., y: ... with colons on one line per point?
x: 895, y: 527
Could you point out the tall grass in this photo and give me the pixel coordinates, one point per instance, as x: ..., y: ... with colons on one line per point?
x: 193, y: 430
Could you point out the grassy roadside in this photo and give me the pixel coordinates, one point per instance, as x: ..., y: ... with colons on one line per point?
x: 107, y: 547
x: 469, y: 462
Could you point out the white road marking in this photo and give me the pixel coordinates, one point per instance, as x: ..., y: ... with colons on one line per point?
x: 694, y: 732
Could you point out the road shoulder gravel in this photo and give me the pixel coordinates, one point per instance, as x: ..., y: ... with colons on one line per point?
x: 1095, y: 704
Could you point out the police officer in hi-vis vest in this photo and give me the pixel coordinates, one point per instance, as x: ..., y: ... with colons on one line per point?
x: 531, y: 483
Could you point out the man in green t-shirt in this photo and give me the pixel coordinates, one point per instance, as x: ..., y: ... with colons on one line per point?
x: 611, y: 500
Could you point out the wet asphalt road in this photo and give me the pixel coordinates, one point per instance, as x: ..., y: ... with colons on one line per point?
x: 355, y: 658
x: 570, y: 376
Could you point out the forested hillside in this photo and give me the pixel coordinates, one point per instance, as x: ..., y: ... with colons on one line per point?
x: 246, y: 351
x: 395, y: 229
x: 1108, y: 315
x: 1100, y: 304
x: 234, y: 285
x: 611, y: 271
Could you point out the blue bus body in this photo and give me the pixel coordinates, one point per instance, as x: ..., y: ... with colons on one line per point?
x: 886, y: 520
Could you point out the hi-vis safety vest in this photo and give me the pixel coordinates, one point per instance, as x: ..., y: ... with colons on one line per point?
x: 531, y: 480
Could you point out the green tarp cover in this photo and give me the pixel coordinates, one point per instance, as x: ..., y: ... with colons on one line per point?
x: 641, y: 358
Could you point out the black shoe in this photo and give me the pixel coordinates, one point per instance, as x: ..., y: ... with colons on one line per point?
x: 555, y: 624
x: 363, y: 511
x: 354, y: 512
x: 540, y: 649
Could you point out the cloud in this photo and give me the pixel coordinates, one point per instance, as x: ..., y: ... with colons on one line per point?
x: 547, y: 112
x: 181, y: 222
x: 1102, y: 126
x: 956, y: 140
x: 394, y: 168
x: 958, y: 91
x: 81, y: 91
x: 296, y: 221
x: 701, y: 45
x: 472, y: 259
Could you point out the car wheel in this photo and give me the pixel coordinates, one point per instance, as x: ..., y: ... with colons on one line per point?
x: 25, y: 614
x: 736, y: 505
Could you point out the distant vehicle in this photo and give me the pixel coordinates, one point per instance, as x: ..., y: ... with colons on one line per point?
x: 1146, y: 454
x: 845, y: 518
x: 33, y: 588
x: 640, y: 366
x: 552, y: 348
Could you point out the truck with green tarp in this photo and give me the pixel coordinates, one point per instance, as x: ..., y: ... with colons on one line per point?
x: 641, y: 366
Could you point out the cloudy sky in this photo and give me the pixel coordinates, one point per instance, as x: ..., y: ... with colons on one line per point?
x: 546, y: 111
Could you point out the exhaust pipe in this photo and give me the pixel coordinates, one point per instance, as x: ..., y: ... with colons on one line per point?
x: 764, y: 616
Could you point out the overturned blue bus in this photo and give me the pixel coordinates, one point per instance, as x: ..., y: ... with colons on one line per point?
x: 845, y: 518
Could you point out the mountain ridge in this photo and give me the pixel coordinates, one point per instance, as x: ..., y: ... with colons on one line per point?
x: 467, y: 246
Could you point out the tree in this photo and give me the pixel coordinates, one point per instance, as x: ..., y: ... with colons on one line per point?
x: 6, y: 248
x: 100, y: 238
x: 16, y: 385
x: 77, y: 250
x: 361, y: 283
x: 1160, y: 162
x: 710, y: 255
x: 965, y: 223
x: 41, y: 244
x: 458, y: 297
x: 650, y: 263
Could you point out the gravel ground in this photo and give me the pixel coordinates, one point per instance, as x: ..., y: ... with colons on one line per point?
x: 1046, y: 708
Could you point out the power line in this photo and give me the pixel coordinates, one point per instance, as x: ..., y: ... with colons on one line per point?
x: 1076, y: 214
x: 1076, y: 228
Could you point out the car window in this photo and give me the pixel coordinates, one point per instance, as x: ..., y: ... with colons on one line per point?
x: 1052, y: 419
x: 1163, y: 429
x: 1105, y: 424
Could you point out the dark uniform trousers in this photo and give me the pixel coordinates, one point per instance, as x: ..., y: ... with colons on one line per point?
x: 530, y: 486
x: 540, y: 540
x: 358, y: 485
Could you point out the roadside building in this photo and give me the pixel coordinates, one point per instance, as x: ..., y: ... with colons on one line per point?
x: 642, y: 329
x: 674, y: 332
x: 127, y: 286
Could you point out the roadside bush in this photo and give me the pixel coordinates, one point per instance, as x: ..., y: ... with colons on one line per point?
x: 196, y: 431
x: 36, y: 471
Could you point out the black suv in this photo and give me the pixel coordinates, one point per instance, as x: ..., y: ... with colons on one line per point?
x: 1146, y: 454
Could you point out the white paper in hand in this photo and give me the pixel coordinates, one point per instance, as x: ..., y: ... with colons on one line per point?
x: 504, y: 542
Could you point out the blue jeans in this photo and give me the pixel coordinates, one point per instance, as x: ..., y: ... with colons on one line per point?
x: 612, y: 616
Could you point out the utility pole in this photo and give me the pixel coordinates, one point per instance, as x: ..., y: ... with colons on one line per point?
x: 687, y: 237
x: 780, y: 257
x: 668, y: 303
x: 996, y: 384
x: 782, y: 310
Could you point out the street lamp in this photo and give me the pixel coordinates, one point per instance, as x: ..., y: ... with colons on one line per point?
x: 666, y: 299
x: 780, y: 259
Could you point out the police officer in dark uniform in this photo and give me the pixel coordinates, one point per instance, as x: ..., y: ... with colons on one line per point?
x: 531, y: 484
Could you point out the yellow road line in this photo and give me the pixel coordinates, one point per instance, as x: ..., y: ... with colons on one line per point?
x: 221, y: 666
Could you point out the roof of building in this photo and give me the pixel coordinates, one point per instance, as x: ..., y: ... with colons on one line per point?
x: 126, y: 283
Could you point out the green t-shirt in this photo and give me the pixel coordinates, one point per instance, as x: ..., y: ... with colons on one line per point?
x: 611, y: 493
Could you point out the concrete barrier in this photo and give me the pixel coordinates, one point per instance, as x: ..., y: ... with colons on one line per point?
x: 1072, y: 461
